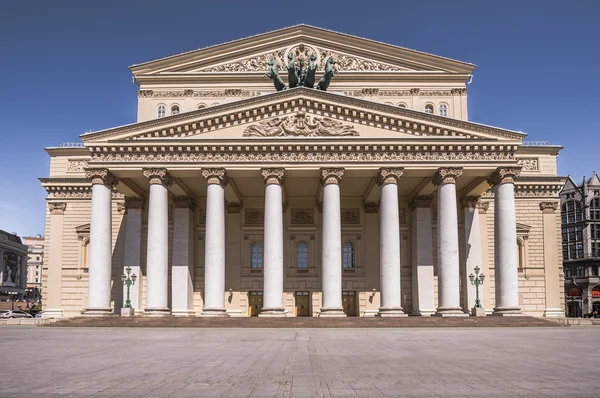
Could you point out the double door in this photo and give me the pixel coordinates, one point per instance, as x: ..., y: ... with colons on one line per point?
x: 349, y: 303
x: 255, y: 302
x: 302, y: 303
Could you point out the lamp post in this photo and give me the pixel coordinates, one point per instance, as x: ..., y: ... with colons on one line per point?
x: 128, y: 280
x: 477, y: 280
x: 12, y: 299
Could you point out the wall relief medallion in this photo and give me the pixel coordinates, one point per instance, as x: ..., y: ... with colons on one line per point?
x: 302, y: 216
x: 350, y: 216
x: 299, y: 125
x: 528, y: 164
x: 77, y: 165
x: 255, y: 216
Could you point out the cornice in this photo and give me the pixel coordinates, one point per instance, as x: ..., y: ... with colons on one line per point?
x: 309, y: 100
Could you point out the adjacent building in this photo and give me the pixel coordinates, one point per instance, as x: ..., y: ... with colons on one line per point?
x: 580, y: 221
x: 35, y: 264
x: 373, y: 195
x: 13, y: 266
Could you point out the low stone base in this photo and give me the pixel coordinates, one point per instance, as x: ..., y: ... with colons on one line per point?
x: 391, y: 313
x: 554, y: 313
x: 183, y: 313
x: 127, y: 311
x: 98, y: 312
x: 156, y: 312
x: 507, y: 311
x: 215, y: 312
x: 332, y: 313
x: 450, y: 312
x: 370, y: 313
x: 478, y: 311
x: 272, y: 313
x: 52, y: 313
x: 423, y: 313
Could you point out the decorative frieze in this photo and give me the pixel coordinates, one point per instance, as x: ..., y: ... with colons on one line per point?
x: 421, y: 201
x: 394, y: 93
x: 215, y: 176
x: 447, y: 175
x: 548, y: 207
x: 389, y: 176
x: 528, y: 164
x: 459, y: 91
x: 435, y: 93
x: 299, y: 125
x: 352, y: 63
x: 184, y: 202
x: 371, y: 207
x: 100, y: 176
x: 504, y: 175
x: 255, y: 63
x: 415, y: 91
x: 158, y: 176
x: 77, y: 166
x: 273, y: 176
x: 331, y: 175
x: 255, y: 216
x: 350, y: 216
x: 57, y: 208
x: 303, y: 216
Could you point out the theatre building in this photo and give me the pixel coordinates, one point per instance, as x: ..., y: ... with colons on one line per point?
x: 303, y: 172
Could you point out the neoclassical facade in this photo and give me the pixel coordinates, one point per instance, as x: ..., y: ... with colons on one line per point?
x: 376, y: 197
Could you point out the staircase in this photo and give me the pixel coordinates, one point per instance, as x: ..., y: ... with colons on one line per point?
x: 303, y: 322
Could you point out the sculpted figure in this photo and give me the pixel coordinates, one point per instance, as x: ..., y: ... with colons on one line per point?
x: 292, y: 72
x: 273, y: 74
x: 309, y: 80
x: 328, y: 75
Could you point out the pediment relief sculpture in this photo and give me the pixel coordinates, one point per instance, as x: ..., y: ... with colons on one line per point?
x: 299, y: 125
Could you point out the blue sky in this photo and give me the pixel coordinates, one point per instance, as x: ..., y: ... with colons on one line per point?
x: 64, y: 67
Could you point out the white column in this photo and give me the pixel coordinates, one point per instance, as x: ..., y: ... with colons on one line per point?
x: 133, y: 249
x: 389, y: 245
x: 273, y: 233
x: 552, y: 269
x: 422, y: 249
x: 182, y: 270
x: 214, y: 253
x: 447, y: 233
x: 54, y: 240
x: 506, y: 255
x: 100, y: 265
x: 331, y: 248
x: 157, y: 253
x: 473, y: 254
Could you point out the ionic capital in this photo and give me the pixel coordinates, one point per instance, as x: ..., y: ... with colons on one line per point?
x: 447, y: 175
x: 57, y: 208
x: 548, y: 207
x: 371, y: 207
x: 389, y: 176
x: 100, y: 177
x: 331, y: 175
x: 504, y: 175
x: 184, y: 202
x: 470, y: 202
x: 423, y: 201
x: 134, y: 202
x: 158, y: 177
x: 273, y: 176
x: 215, y: 176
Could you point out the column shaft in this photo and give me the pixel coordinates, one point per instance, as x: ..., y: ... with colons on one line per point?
x: 422, y: 249
x: 132, y: 259
x: 157, y: 258
x: 182, y: 271
x: 53, y: 287
x: 473, y: 255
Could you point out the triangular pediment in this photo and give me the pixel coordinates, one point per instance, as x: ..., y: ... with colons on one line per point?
x: 303, y: 113
x: 251, y: 55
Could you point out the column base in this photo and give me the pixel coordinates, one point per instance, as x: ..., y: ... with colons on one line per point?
x: 272, y: 313
x: 155, y: 312
x: 52, y: 313
x: 183, y: 313
x: 450, y: 312
x: 370, y: 313
x: 332, y: 313
x: 98, y: 312
x: 554, y: 313
x: 214, y: 312
x: 127, y: 311
x: 391, y: 312
x: 507, y: 311
x: 477, y: 311
x: 423, y: 313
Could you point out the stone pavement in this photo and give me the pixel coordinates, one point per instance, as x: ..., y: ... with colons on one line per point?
x: 127, y: 362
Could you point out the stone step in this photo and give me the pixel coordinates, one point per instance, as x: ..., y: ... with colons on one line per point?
x: 299, y: 322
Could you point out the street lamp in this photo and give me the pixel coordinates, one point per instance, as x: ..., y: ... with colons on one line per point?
x: 477, y: 280
x: 12, y: 299
x: 128, y: 280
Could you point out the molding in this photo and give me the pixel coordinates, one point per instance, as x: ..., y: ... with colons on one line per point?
x: 421, y: 201
x: 371, y: 207
x: 447, y: 175
x: 184, y: 202
x: 504, y: 175
x: 299, y: 125
x: 389, y: 176
x: 57, y: 208
x: 133, y: 202
x: 158, y: 176
x: 233, y: 207
x: 273, y: 175
x: 331, y: 175
x: 548, y: 207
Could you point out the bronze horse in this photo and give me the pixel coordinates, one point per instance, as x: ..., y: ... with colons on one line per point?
x: 329, y: 73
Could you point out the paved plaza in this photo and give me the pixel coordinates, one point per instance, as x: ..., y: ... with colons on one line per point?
x: 103, y: 362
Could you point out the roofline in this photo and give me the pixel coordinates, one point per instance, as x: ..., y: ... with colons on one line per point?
x: 294, y: 27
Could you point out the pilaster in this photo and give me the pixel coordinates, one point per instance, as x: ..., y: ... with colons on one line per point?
x: 182, y: 258
x: 423, y: 295
x: 551, y: 261
x: 53, y: 289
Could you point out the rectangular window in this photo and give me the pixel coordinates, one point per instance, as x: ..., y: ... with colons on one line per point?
x: 572, y: 251
x: 565, y: 251
x: 564, y: 234
x: 579, y: 232
x: 571, y: 234
x: 580, y: 250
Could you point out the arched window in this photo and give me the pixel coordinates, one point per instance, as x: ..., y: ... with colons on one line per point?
x: 580, y: 270
x: 302, y: 255
x: 257, y: 255
x: 201, y: 106
x: 567, y: 272
x: 443, y: 110
x: 571, y: 212
x: 161, y: 111
x: 348, y: 255
x: 174, y: 109
x: 428, y: 108
x: 402, y: 105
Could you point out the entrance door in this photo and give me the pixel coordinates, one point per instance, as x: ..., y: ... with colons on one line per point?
x: 349, y: 303
x: 255, y: 303
x: 302, y: 303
